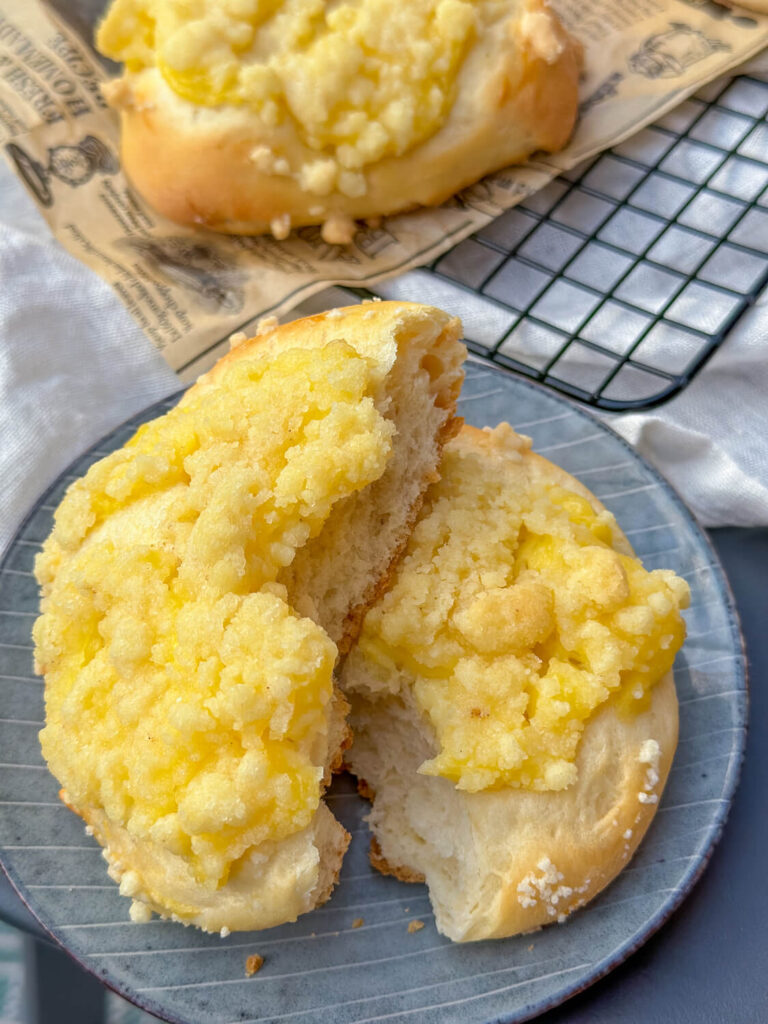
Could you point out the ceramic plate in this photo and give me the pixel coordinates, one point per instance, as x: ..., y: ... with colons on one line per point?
x: 322, y: 968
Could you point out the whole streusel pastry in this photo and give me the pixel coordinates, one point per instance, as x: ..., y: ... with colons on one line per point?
x: 513, y: 712
x: 197, y: 588
x: 262, y: 115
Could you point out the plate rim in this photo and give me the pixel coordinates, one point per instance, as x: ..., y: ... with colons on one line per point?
x: 720, y: 818
x: 653, y: 924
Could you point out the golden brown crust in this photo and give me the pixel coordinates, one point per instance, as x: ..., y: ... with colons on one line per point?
x: 514, y: 97
x: 364, y: 788
x: 340, y: 735
x: 323, y: 894
x: 367, y: 326
x: 382, y: 865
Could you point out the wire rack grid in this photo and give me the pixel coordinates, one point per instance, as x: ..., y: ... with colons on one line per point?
x: 616, y: 282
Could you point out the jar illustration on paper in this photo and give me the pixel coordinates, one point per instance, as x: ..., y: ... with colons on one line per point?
x: 73, y: 165
x: 669, y: 54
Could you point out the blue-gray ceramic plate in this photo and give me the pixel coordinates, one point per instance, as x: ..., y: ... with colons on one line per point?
x: 322, y: 968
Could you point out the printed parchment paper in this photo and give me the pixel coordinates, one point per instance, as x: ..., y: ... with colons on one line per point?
x: 190, y: 289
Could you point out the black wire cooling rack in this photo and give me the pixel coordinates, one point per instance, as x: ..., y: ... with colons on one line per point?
x: 616, y: 282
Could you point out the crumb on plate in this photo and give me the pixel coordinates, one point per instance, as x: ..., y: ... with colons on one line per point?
x: 253, y: 965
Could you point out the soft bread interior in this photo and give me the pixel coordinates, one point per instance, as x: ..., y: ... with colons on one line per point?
x: 507, y: 861
x: 336, y: 576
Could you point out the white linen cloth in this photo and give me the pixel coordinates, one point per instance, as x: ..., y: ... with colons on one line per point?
x: 711, y: 442
x: 74, y: 365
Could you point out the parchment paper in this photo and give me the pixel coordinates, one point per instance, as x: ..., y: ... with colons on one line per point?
x: 190, y: 289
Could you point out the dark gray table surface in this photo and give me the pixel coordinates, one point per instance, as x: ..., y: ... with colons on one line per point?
x: 709, y: 963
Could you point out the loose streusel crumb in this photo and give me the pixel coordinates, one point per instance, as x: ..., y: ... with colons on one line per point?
x: 266, y: 324
x: 543, y: 887
x: 358, y: 922
x: 415, y: 926
x: 140, y: 912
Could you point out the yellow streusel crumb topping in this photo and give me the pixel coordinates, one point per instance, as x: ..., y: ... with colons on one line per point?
x: 358, y: 79
x: 515, y: 616
x: 184, y: 696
